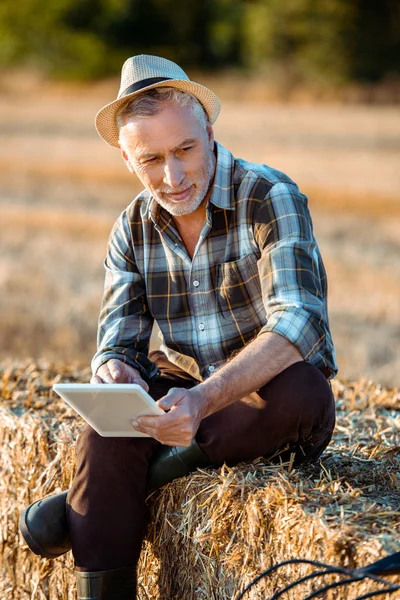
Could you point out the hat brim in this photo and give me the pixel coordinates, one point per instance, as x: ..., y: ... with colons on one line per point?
x: 105, y: 120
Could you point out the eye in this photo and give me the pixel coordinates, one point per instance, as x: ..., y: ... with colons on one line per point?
x: 149, y: 161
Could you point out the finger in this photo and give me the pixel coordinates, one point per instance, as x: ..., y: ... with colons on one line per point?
x: 115, y: 367
x: 142, y: 383
x: 104, y: 373
x: 166, y: 428
x: 166, y: 422
x: 172, y: 398
x: 96, y: 379
x: 169, y: 438
x: 107, y: 377
x: 130, y: 375
x: 124, y: 373
x: 146, y: 424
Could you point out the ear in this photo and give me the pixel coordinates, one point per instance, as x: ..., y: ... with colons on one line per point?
x: 126, y: 160
x: 210, y: 135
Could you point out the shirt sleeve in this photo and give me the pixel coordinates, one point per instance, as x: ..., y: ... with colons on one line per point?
x: 292, y: 274
x: 125, y: 322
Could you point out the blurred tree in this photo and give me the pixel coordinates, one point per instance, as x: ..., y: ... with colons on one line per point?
x: 307, y: 41
x: 38, y: 33
x: 298, y: 40
x: 314, y: 41
x: 374, y: 42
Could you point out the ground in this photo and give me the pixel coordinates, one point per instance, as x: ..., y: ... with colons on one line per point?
x: 62, y: 188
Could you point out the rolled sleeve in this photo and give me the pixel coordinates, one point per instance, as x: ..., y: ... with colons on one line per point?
x: 292, y: 274
x: 298, y: 327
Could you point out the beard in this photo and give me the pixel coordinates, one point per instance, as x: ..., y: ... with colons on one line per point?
x: 199, y: 191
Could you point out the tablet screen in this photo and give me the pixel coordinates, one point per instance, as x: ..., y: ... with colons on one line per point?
x: 109, y: 407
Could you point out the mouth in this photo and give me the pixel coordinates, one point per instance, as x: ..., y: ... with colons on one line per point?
x: 179, y: 196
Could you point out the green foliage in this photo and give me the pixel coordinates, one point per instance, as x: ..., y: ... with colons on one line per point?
x: 323, y: 41
x: 40, y: 33
x: 298, y: 40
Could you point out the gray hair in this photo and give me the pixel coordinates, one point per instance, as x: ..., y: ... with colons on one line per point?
x: 148, y: 104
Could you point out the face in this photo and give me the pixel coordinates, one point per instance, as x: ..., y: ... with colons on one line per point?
x: 172, y: 154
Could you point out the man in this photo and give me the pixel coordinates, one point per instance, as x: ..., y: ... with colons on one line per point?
x: 221, y: 254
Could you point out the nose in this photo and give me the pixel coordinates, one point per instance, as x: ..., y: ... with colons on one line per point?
x: 173, y: 173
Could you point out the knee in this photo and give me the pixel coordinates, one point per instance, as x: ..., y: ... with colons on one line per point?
x: 308, y: 384
x: 303, y: 390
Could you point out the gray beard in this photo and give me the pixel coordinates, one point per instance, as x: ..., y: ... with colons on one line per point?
x: 179, y: 210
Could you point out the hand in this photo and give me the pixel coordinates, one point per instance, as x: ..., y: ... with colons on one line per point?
x: 116, y: 371
x: 178, y: 427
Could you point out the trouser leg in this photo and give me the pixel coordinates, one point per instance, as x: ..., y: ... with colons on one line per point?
x: 106, y: 509
x: 296, y: 408
x: 110, y: 483
x: 106, y: 502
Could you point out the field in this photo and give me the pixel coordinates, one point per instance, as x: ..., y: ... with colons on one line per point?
x: 61, y: 188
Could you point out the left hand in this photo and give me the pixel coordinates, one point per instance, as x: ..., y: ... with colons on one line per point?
x: 178, y: 427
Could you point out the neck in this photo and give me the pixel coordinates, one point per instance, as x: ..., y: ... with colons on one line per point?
x: 196, y: 218
x: 190, y: 226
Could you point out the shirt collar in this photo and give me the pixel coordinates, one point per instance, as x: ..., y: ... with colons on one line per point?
x: 222, y: 190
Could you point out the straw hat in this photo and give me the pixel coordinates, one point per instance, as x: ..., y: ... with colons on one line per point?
x: 145, y: 72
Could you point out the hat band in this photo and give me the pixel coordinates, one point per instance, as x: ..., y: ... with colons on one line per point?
x: 143, y: 83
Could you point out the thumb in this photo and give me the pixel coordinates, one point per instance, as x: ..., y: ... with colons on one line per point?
x: 171, y: 399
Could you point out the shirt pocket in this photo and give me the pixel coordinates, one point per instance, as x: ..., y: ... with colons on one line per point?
x: 238, y: 289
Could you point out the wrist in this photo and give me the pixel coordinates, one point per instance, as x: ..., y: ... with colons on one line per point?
x: 212, y: 395
x: 201, y: 400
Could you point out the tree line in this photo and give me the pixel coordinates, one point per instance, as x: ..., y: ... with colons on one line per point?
x: 327, y: 41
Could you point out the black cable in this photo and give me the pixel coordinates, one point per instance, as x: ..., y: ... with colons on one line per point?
x: 298, y: 582
x: 291, y: 561
x: 389, y: 565
x: 389, y: 590
x: 331, y: 586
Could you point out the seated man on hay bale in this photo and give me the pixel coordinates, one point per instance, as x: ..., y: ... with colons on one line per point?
x: 220, y: 253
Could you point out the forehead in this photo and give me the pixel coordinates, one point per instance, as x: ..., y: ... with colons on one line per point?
x: 164, y: 131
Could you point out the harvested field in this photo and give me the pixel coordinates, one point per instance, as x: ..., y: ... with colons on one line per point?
x: 61, y: 188
x: 225, y: 525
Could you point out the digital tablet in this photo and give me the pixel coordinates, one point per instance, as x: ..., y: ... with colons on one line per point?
x: 109, y: 407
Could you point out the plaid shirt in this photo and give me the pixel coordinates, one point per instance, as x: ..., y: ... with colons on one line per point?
x: 256, y: 268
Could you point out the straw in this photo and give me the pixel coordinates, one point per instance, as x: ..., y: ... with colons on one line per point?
x: 211, y: 533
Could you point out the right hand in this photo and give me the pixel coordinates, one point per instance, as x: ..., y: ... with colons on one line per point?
x: 116, y: 371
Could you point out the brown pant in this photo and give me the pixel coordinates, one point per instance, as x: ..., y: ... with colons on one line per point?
x: 106, y: 503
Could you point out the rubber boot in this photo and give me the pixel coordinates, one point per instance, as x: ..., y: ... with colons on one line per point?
x: 44, y: 527
x: 118, y: 584
x: 43, y: 523
x: 171, y: 462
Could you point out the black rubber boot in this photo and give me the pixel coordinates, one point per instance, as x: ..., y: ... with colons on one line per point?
x: 118, y: 584
x: 43, y: 523
x: 171, y: 462
x: 44, y: 527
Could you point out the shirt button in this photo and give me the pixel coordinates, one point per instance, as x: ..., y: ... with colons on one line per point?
x: 211, y: 368
x: 201, y: 326
x: 196, y: 283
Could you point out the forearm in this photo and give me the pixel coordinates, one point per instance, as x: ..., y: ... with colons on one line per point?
x: 259, y: 362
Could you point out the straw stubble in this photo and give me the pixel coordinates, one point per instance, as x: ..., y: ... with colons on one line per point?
x: 211, y: 533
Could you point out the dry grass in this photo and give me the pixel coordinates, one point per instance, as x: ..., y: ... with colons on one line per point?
x: 62, y: 188
x: 224, y: 525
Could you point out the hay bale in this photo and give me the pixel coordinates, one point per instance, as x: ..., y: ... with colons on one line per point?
x: 225, y: 525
